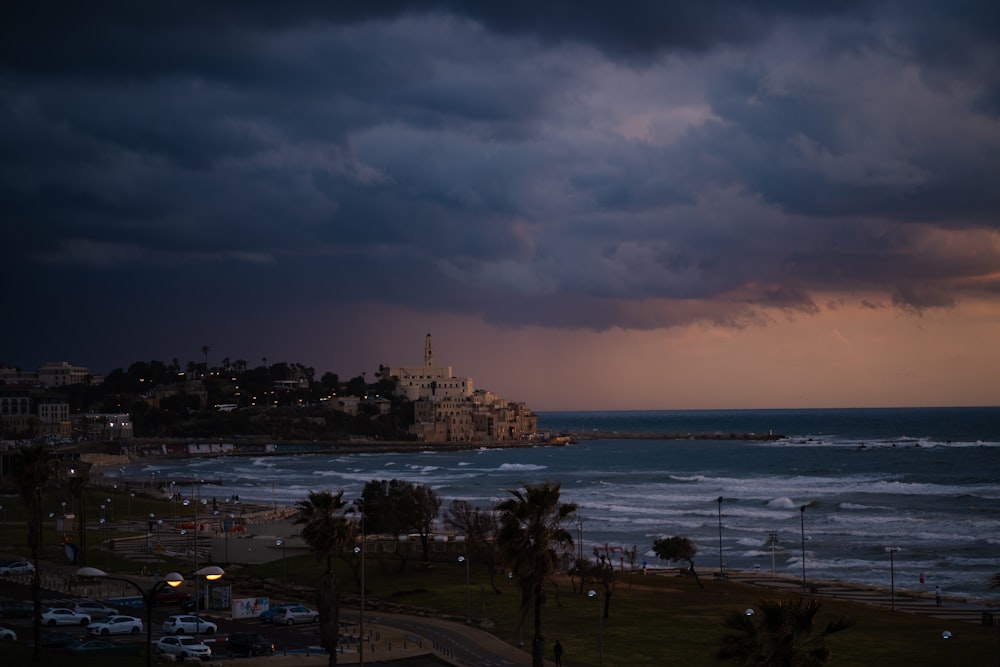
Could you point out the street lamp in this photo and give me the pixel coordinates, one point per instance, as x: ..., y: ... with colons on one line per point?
x: 131, y: 495
x: 229, y: 529
x: 600, y: 628
x: 722, y: 572
x: 106, y: 534
x: 772, y: 541
x: 892, y: 578
x: 361, y: 613
x: 174, y: 579
x: 802, y: 528
x: 149, y: 529
x: 284, y: 563
x: 468, y: 593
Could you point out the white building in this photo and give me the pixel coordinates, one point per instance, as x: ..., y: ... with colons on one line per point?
x: 61, y: 373
x: 428, y: 381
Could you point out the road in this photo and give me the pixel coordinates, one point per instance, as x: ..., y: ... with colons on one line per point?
x: 389, y: 636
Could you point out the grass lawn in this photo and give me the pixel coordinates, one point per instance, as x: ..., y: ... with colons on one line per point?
x: 652, y: 620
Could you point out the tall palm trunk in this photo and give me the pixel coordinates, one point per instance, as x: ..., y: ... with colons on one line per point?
x: 537, y: 641
x: 329, y: 615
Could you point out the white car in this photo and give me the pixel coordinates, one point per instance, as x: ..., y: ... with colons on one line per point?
x: 63, y: 616
x: 296, y: 614
x: 116, y: 625
x: 17, y: 567
x: 95, y: 609
x: 182, y: 624
x: 7, y: 635
x: 183, y: 647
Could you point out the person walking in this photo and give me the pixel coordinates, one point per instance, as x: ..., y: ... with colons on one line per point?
x: 558, y: 651
x: 937, y: 595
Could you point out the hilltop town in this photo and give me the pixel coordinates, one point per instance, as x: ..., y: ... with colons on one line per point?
x: 233, y: 407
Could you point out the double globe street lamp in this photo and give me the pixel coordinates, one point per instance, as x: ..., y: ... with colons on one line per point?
x: 171, y: 580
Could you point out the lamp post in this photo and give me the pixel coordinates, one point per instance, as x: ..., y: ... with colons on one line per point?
x: 892, y: 579
x: 174, y: 579
x: 104, y: 532
x: 722, y: 573
x: 600, y: 628
x: 468, y: 591
x: 772, y: 541
x: 361, y: 613
x: 284, y: 563
x: 149, y: 529
x: 229, y: 529
x: 131, y: 495
x: 802, y: 529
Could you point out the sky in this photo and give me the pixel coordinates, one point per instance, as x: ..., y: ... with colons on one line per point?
x: 589, y: 205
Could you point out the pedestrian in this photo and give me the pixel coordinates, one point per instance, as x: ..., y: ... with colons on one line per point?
x: 937, y: 595
x: 557, y: 650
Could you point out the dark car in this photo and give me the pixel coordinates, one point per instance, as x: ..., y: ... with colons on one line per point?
x: 58, y: 638
x: 172, y: 596
x: 15, y: 609
x: 188, y: 605
x: 249, y: 643
x: 102, y: 647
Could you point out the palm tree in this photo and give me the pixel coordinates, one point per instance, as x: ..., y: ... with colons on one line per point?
x: 780, y: 634
x: 32, y: 471
x: 531, y: 541
x: 326, y: 530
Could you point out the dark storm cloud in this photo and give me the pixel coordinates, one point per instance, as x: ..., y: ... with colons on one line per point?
x: 567, y: 164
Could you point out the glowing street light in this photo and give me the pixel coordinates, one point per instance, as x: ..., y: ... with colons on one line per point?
x: 600, y: 627
x: 173, y: 580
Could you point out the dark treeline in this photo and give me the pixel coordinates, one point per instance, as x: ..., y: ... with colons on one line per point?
x: 279, y: 400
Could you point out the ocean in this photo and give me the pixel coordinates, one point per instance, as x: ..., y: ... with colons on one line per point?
x: 923, y: 484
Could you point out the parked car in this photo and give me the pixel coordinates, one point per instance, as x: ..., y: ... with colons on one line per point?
x: 64, y: 616
x: 116, y: 625
x: 296, y: 614
x: 58, y: 639
x: 188, y: 605
x: 172, y: 596
x: 95, y: 609
x: 102, y: 647
x: 15, y: 609
x: 17, y: 567
x: 183, y: 647
x: 7, y: 635
x: 267, y: 616
x: 188, y: 625
x: 249, y: 643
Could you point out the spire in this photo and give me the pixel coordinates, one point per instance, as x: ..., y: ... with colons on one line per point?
x: 428, y: 354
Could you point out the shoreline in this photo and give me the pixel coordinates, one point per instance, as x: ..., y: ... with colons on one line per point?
x: 151, y: 448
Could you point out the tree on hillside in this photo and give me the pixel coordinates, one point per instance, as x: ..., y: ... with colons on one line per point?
x: 780, y: 633
x: 32, y: 470
x: 480, y: 528
x: 678, y: 548
x: 531, y: 541
x: 327, y: 530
